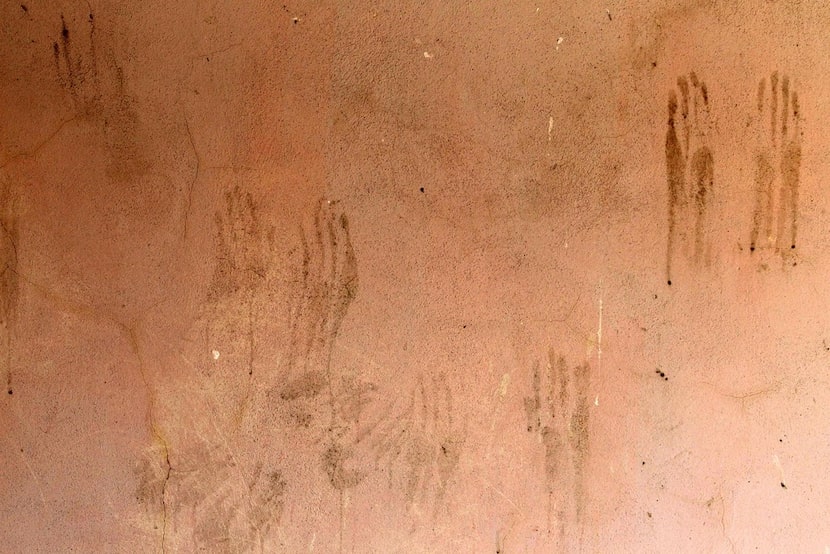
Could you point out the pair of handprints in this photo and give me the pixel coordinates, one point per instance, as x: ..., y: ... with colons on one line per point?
x: 690, y: 170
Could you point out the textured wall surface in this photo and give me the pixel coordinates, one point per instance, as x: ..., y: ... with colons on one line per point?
x: 414, y: 276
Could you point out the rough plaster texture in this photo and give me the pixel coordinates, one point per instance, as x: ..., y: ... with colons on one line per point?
x: 394, y: 276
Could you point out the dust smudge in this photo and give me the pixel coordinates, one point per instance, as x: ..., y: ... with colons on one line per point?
x: 689, y: 173
x: 334, y: 461
x: 313, y: 394
x: 777, y: 167
x: 210, y: 498
x: 558, y: 412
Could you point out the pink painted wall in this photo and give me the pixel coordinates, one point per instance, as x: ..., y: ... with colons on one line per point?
x: 394, y: 277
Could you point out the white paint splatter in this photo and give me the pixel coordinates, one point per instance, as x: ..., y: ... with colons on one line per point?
x: 596, y: 401
x: 427, y: 55
x: 550, y: 128
x: 505, y: 381
x: 559, y: 41
x: 777, y: 463
x: 215, y: 354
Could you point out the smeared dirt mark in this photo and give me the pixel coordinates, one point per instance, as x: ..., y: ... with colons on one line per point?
x: 97, y: 87
x: 9, y: 279
x: 424, y: 439
x: 558, y: 411
x: 690, y: 174
x: 207, y: 499
x: 237, y: 292
x: 223, y: 507
x: 413, y: 434
x: 777, y: 167
x: 76, y: 66
x: 307, y: 385
x: 334, y: 460
x: 326, y: 285
x: 241, y: 247
x: 153, y: 472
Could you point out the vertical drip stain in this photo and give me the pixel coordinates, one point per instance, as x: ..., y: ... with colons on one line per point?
x: 9, y: 279
x: 703, y: 175
x: 774, y: 106
x: 785, y: 98
x: 762, y: 87
x: 675, y: 173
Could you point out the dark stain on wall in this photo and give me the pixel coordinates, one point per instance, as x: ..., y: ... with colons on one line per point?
x: 327, y: 284
x: 307, y: 385
x: 9, y: 277
x: 335, y: 460
x: 578, y: 433
x: 690, y: 174
x: 422, y: 443
x: 533, y: 403
x: 244, y: 247
x: 90, y: 69
x: 558, y: 411
x: 241, y: 246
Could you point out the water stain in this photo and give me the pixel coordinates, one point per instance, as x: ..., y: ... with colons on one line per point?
x: 9, y: 277
x: 690, y: 174
x: 777, y: 167
x: 558, y: 412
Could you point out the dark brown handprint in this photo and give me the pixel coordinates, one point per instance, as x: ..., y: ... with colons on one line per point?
x: 690, y: 173
x: 420, y: 441
x: 327, y: 285
x: 777, y: 166
x: 558, y: 411
x: 91, y: 72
